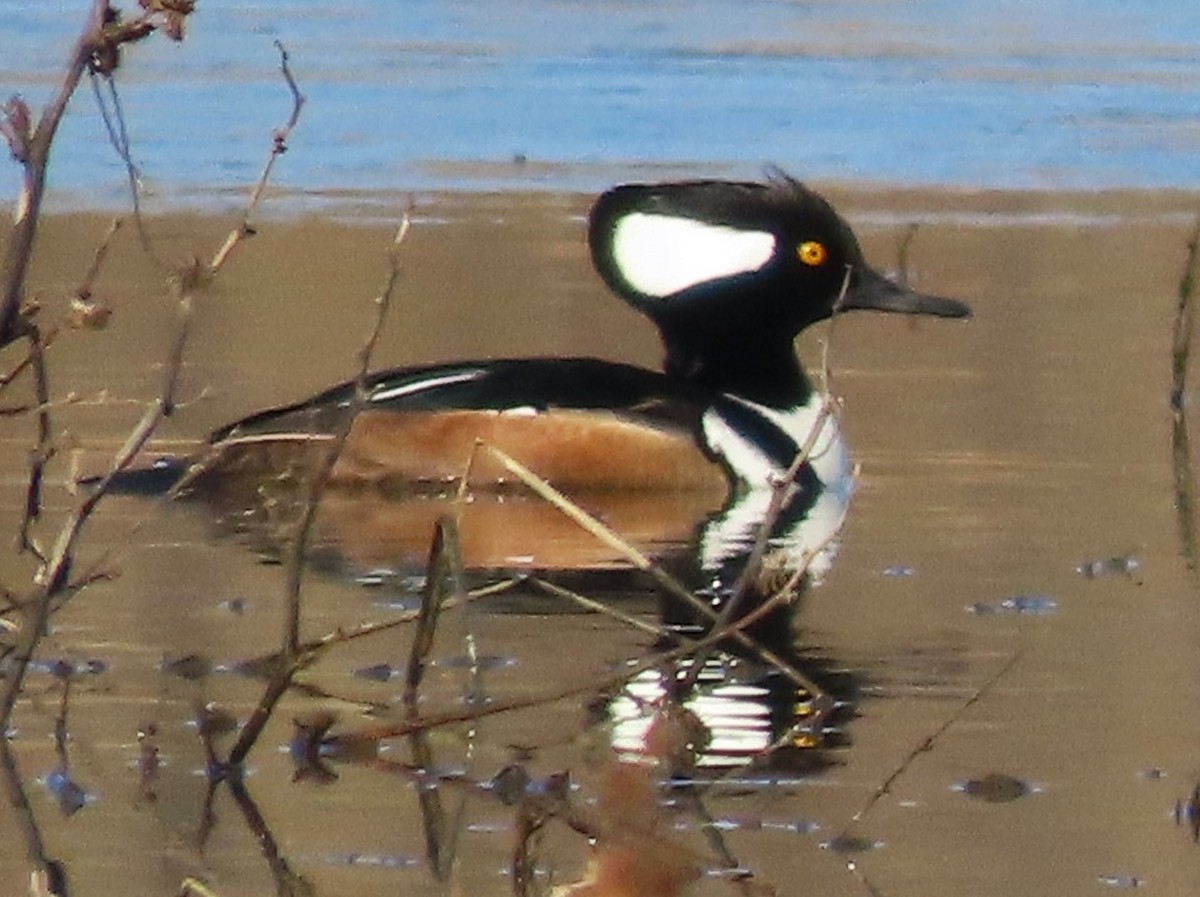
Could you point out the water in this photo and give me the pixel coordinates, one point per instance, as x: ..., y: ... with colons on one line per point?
x: 1001, y: 458
x: 554, y: 95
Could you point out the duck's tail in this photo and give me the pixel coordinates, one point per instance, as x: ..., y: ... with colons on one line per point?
x: 152, y: 472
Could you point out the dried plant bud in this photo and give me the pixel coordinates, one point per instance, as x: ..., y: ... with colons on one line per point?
x: 16, y: 127
x: 173, y: 27
x: 677, y: 737
x: 192, y: 275
x: 171, y: 14
x: 775, y: 574
x: 179, y: 7
x: 106, y: 52
x: 88, y: 314
x: 106, y: 56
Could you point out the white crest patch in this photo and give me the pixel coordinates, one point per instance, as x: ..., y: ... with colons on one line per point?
x: 661, y: 254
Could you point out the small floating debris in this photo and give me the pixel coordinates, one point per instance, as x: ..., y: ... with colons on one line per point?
x: 1153, y: 774
x: 63, y: 669
x: 191, y: 667
x: 481, y: 662
x: 71, y: 796
x: 750, y: 823
x: 996, y: 788
x: 793, y: 826
x: 729, y: 873
x: 1033, y: 605
x: 1122, y: 882
x: 379, y: 672
x: 1126, y: 565
x: 237, y: 606
x: 372, y: 860
x: 488, y: 828
x: 510, y: 784
x: 1187, y: 812
x: 845, y: 844
x: 406, y: 604
x: 899, y: 571
x: 374, y: 578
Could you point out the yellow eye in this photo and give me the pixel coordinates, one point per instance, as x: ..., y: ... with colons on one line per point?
x: 812, y: 253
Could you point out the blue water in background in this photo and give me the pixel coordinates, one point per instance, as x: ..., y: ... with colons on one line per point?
x: 413, y: 95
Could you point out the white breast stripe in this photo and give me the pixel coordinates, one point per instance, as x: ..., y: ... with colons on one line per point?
x: 383, y: 395
x: 659, y: 255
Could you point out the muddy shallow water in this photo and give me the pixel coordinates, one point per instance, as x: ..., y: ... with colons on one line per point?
x: 997, y: 457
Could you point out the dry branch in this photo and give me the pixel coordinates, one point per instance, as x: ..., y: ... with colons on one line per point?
x: 1181, y: 341
x: 672, y: 586
x: 54, y: 572
x: 1181, y: 455
x: 735, y: 630
x: 279, y: 140
x: 97, y: 49
x: 294, y: 656
x: 317, y: 483
x: 443, y: 581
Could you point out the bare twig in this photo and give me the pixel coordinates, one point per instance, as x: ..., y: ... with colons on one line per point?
x: 1181, y: 341
x: 443, y: 579
x: 930, y: 740
x: 671, y: 585
x: 44, y: 448
x: 599, y: 608
x: 294, y: 656
x: 319, y: 480
x: 194, y: 886
x: 83, y: 293
x: 288, y: 882
x: 902, y: 252
x: 1181, y: 456
x: 588, y: 523
x: 315, y: 647
x: 30, y: 146
x: 44, y: 868
x: 118, y: 136
x: 36, y: 361
x: 278, y: 148
x: 97, y: 49
x: 589, y: 686
x: 48, y: 337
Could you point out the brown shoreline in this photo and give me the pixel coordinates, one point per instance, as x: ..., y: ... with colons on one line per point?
x: 919, y: 201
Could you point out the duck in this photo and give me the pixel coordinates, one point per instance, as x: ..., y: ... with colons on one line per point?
x: 730, y: 273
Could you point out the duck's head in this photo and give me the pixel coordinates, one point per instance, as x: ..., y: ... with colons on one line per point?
x: 731, y: 272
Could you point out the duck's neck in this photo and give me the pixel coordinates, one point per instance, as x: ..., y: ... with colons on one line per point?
x: 763, y: 369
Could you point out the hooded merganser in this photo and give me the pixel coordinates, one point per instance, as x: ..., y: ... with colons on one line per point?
x: 730, y: 273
